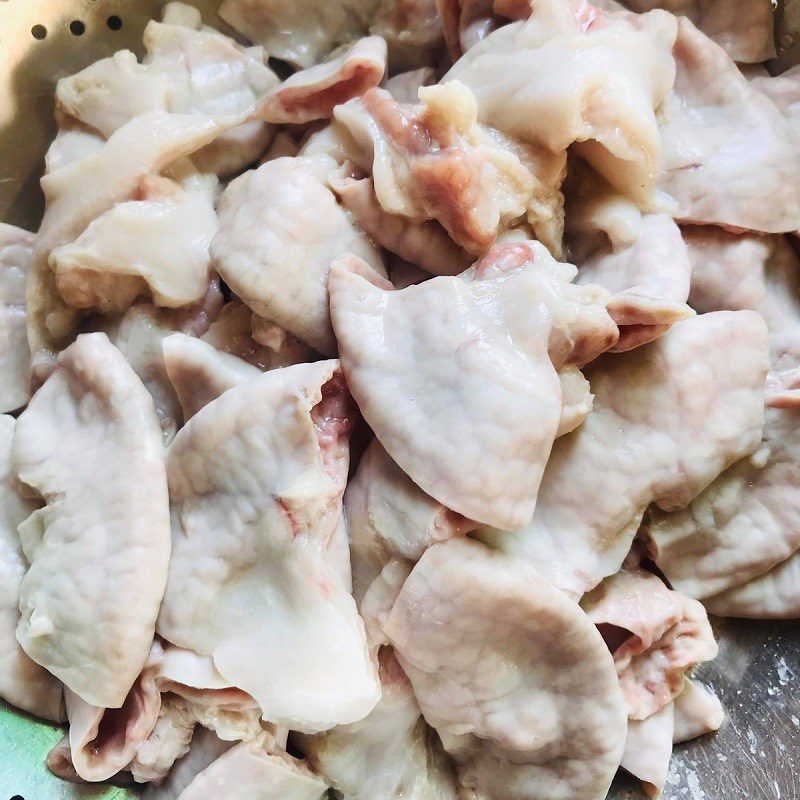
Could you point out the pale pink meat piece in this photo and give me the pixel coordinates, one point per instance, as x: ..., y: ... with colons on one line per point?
x: 104, y: 741
x: 300, y: 34
x: 425, y: 244
x: 108, y: 93
x: 279, y: 229
x: 697, y: 711
x: 759, y: 272
x: 81, y: 191
x: 144, y: 737
x: 743, y: 525
x: 187, y: 68
x: 404, y: 87
x: 784, y: 91
x: 139, y: 335
x: 389, y: 516
x: 589, y: 80
x: 210, y: 700
x: 257, y: 341
x: 23, y: 683
x: 209, y: 73
x: 305, y: 35
x: 512, y: 675
x: 726, y: 145
x: 465, y: 23
x: 648, y: 749
x: 412, y: 30
x: 199, y: 373
x: 391, y: 753
x: 668, y: 418
x: 173, y: 224
x: 490, y: 362
x: 649, y: 279
x: 90, y: 444
x: 16, y: 251
x: 432, y: 161
x: 259, y: 769
x: 232, y: 714
x: 576, y: 399
x: 270, y: 458
x: 655, y: 635
x: 205, y: 748
x: 747, y: 523
x: 167, y: 743
x: 773, y: 595
x: 739, y: 270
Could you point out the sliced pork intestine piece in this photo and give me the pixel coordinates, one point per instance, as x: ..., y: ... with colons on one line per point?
x: 173, y: 226
x: 649, y: 280
x: 478, y: 310
x: 390, y: 753
x: 88, y: 607
x: 16, y: 252
x: 426, y: 244
x: 23, y: 683
x: 655, y: 635
x: 258, y: 769
x: 536, y: 648
x: 312, y: 93
x: 685, y: 444
x: 82, y: 190
x: 302, y: 456
x: 278, y: 263
x: 726, y: 145
x: 432, y: 161
x: 648, y: 748
x: 388, y: 516
x: 623, y: 59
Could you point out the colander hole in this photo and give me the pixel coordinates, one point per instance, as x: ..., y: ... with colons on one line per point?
x: 38, y: 32
x: 114, y: 22
x: 17, y: 797
x: 77, y: 28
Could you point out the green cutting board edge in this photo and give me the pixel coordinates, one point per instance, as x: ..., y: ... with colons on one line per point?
x: 24, y: 744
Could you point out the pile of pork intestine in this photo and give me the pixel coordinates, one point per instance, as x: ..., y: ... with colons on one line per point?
x: 550, y: 444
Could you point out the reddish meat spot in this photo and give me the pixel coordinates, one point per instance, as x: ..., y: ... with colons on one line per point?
x: 155, y: 187
x: 335, y: 417
x: 588, y: 16
x: 319, y: 101
x: 444, y: 171
x: 130, y: 722
x: 502, y: 259
x: 400, y: 123
x: 290, y: 517
x: 450, y: 182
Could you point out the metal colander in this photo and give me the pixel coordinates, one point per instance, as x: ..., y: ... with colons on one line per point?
x: 756, y: 755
